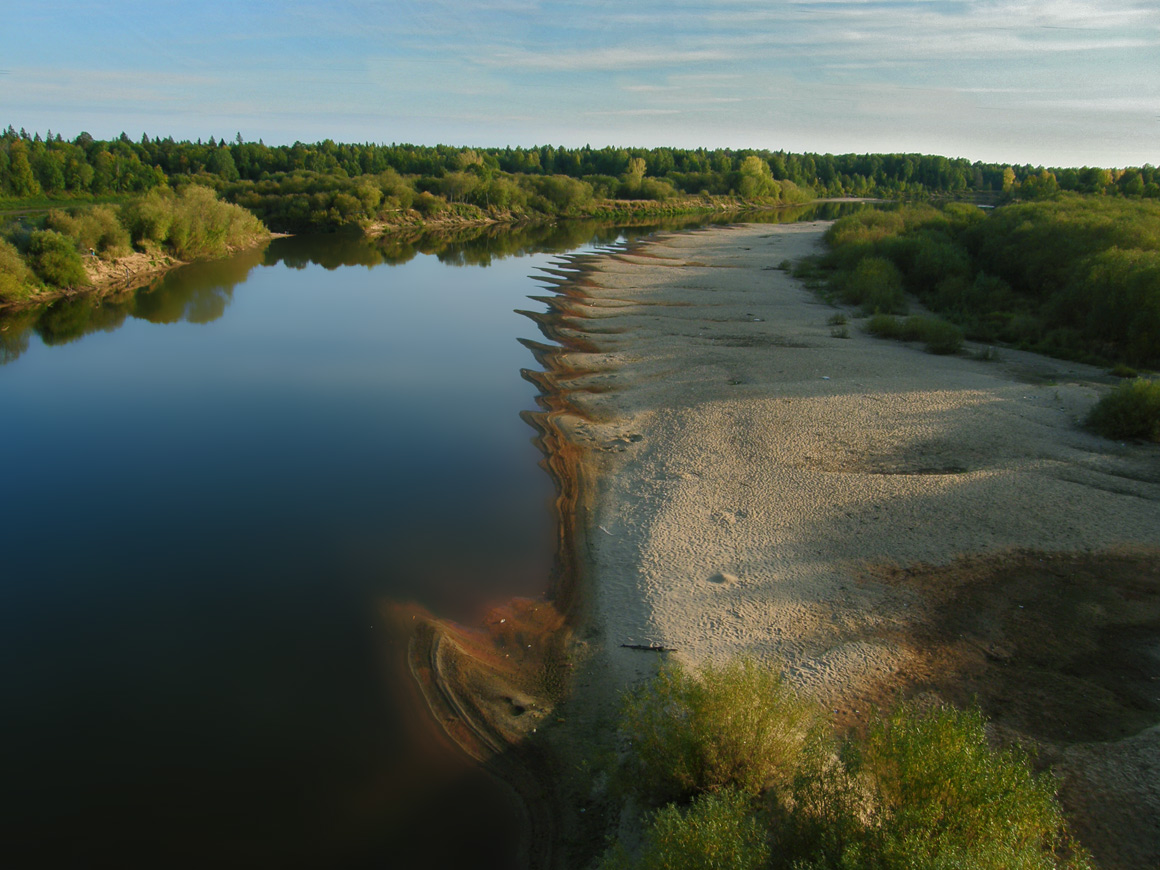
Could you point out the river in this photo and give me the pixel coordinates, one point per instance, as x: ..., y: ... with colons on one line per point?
x: 212, y: 486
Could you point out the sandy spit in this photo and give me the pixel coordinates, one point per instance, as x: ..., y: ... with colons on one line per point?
x: 764, y: 486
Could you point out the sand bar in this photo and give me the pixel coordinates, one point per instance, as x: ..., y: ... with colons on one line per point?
x: 838, y: 506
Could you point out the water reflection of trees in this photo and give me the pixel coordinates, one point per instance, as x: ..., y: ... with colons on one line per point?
x: 328, y: 251
x: 197, y: 293
x: 201, y: 292
x: 484, y: 244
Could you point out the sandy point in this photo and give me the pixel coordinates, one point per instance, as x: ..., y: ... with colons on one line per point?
x: 873, y: 520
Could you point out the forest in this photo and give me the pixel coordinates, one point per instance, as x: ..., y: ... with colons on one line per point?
x: 327, y: 185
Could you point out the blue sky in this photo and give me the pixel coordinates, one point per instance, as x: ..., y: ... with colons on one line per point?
x: 1062, y: 82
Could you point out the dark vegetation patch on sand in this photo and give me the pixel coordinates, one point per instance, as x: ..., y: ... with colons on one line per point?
x: 1062, y: 652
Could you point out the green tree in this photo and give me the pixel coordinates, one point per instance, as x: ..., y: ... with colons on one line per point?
x: 634, y: 174
x: 21, y: 177
x: 1042, y: 185
x: 756, y: 178
x: 1009, y: 183
x: 221, y: 162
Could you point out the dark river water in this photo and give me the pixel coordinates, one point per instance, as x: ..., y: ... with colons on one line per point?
x: 210, y: 490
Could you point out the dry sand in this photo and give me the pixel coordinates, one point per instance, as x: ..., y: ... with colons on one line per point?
x: 874, y: 520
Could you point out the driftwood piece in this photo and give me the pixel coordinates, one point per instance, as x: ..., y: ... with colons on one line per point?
x: 651, y: 647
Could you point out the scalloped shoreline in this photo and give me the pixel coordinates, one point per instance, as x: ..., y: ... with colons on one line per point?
x: 740, y: 480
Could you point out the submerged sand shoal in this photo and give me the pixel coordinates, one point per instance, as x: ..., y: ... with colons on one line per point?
x: 765, y: 486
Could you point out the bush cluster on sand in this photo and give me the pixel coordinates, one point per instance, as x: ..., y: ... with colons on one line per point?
x: 875, y: 284
x: 755, y: 778
x: 735, y: 726
x: 1073, y: 276
x: 1131, y: 410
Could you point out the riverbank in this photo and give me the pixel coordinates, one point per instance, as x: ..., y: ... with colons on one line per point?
x: 118, y: 275
x: 875, y: 521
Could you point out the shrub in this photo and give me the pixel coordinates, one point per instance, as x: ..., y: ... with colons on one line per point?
x: 1131, y: 410
x: 656, y: 189
x: 884, y: 326
x: 942, y: 793
x: 192, y: 223
x: 428, y: 204
x: 926, y: 790
x: 96, y: 228
x: 149, y: 217
x: 736, y: 726
x: 55, y: 259
x: 16, y: 279
x: 864, y: 226
x: 204, y: 226
x: 923, y: 789
x: 939, y: 336
x: 876, y: 285
x: 716, y: 832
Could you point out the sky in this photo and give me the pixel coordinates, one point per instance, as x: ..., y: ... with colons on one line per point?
x: 1053, y: 82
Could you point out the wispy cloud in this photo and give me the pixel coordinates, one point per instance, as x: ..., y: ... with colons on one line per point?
x: 864, y: 72
x: 622, y: 113
x: 604, y: 59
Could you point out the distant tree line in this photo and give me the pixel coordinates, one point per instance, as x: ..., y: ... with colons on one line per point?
x: 327, y: 185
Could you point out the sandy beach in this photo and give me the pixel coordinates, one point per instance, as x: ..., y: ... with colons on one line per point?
x: 875, y: 521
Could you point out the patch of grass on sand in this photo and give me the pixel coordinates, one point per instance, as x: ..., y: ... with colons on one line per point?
x: 939, y: 336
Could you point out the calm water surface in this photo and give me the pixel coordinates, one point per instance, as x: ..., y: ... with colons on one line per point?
x: 210, y: 490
